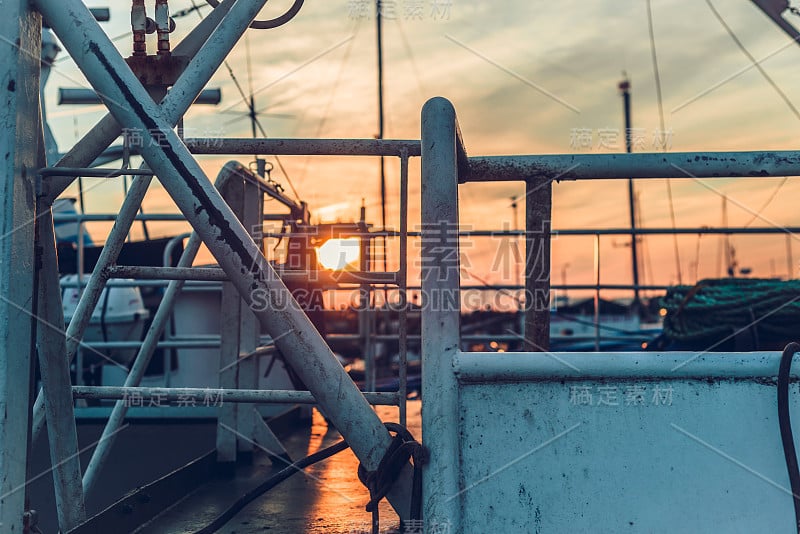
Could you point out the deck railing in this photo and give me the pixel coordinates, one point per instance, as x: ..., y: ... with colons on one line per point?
x: 485, y: 413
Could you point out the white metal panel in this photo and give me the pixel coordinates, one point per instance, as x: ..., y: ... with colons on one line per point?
x: 688, y: 456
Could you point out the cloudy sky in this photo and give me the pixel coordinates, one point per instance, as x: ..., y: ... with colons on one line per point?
x: 525, y: 78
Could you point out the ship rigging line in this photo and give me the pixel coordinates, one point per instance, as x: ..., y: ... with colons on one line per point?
x: 332, y: 92
x: 657, y: 77
x: 753, y: 60
x: 249, y: 102
x: 769, y: 80
x: 757, y: 214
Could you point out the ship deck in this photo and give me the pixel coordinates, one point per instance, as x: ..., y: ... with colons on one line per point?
x: 326, y: 498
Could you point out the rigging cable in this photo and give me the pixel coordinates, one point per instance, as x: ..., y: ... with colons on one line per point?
x: 333, y: 91
x: 657, y: 77
x: 249, y: 100
x: 753, y: 60
x: 410, y: 53
x: 757, y: 214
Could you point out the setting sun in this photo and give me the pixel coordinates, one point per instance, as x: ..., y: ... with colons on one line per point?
x: 336, y: 254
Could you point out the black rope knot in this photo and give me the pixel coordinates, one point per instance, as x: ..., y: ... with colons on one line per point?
x: 380, y: 481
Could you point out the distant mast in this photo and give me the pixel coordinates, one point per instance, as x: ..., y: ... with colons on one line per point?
x: 379, y: 35
x: 625, y: 89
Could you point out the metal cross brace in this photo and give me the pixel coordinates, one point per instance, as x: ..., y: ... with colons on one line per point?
x: 236, y: 252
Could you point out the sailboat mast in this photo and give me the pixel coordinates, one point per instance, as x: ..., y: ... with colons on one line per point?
x: 379, y: 34
x: 625, y: 86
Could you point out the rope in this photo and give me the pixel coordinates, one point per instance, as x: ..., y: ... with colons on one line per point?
x: 714, y: 308
x: 380, y: 481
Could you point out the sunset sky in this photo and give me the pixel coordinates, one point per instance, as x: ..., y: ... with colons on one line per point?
x: 524, y: 77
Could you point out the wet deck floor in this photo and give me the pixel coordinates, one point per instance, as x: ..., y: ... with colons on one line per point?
x: 325, y: 498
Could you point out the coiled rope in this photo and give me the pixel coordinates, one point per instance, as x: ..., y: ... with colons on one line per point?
x: 716, y: 308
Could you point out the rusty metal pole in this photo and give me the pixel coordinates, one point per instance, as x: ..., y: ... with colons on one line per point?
x: 20, y: 49
x: 538, y: 207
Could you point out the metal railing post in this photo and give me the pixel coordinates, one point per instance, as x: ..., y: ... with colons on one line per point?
x: 597, y: 292
x: 228, y: 355
x: 440, y: 315
x: 230, y: 341
x: 538, y: 203
x: 249, y: 331
x: 21, y: 50
x: 402, y: 323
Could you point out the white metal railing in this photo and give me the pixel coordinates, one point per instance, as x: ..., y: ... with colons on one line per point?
x: 485, y: 412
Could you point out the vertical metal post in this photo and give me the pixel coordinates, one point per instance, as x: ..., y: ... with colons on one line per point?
x: 379, y: 39
x: 249, y: 330
x: 56, y: 383
x: 538, y: 207
x: 365, y: 313
x: 403, y: 275
x: 228, y: 355
x: 230, y: 341
x: 20, y: 49
x: 81, y: 246
x: 597, y: 292
x: 257, y: 282
x: 441, y: 314
x: 625, y: 86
